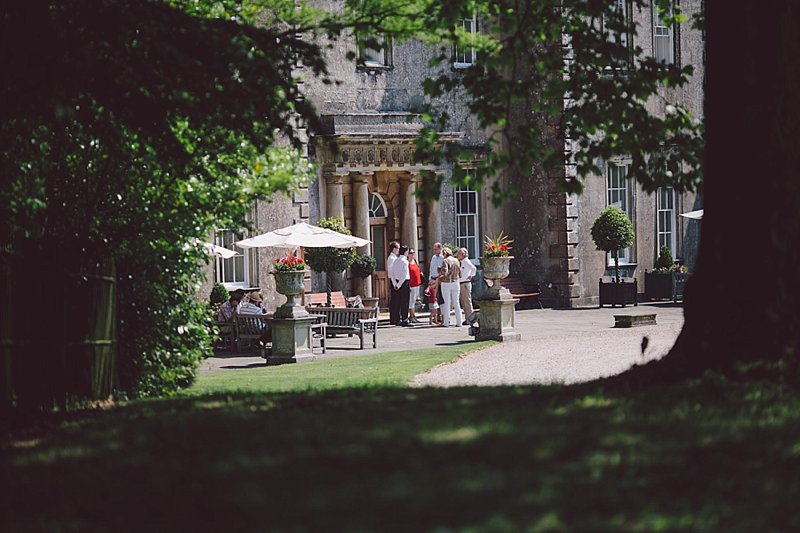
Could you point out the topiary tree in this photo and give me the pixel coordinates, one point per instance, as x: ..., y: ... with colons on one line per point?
x: 331, y: 260
x: 665, y: 262
x: 612, y: 231
x: 363, y: 266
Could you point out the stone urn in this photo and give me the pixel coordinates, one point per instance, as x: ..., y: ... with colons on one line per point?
x: 495, y: 269
x: 369, y: 302
x: 290, y: 284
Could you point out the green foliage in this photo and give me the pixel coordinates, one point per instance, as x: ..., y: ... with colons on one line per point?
x: 612, y: 231
x: 331, y: 260
x: 363, y: 266
x: 161, y: 128
x: 452, y: 247
x: 665, y: 260
x: 219, y: 294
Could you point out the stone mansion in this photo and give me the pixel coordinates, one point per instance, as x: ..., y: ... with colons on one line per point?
x: 370, y: 179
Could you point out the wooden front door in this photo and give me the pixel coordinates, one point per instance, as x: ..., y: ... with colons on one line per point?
x: 380, y: 279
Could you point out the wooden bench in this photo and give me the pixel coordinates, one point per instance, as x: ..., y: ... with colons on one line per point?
x: 525, y: 293
x: 249, y: 329
x: 227, y: 336
x: 320, y: 299
x: 350, y: 320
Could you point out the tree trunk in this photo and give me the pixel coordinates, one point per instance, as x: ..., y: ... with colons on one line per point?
x: 741, y: 303
x: 615, y: 255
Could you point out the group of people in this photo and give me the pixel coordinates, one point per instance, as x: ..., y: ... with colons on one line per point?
x: 449, y: 285
x: 241, y: 303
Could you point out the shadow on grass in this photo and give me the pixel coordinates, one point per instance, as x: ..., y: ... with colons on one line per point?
x: 717, y: 456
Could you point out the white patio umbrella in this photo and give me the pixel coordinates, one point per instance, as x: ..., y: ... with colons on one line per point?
x: 211, y: 249
x: 218, y: 251
x: 304, y: 235
x: 695, y: 215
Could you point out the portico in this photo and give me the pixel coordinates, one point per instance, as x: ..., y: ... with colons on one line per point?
x: 369, y: 178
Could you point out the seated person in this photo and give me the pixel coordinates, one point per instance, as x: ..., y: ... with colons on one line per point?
x: 228, y: 310
x: 253, y: 305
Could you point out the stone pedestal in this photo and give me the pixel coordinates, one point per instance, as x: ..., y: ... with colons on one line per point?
x: 291, y: 340
x: 497, y: 320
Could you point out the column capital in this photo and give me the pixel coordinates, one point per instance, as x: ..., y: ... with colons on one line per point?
x: 334, y: 178
x: 411, y: 177
x: 362, y: 176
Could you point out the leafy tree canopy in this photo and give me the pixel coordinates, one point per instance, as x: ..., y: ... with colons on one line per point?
x: 133, y: 128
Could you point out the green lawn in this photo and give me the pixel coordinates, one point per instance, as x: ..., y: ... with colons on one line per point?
x: 710, y: 455
x: 374, y: 370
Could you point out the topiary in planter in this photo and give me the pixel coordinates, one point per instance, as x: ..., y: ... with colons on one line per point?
x: 330, y: 260
x: 612, y: 231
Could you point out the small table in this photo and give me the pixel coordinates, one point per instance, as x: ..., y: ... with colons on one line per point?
x: 319, y: 331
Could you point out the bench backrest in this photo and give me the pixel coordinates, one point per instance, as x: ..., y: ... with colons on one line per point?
x: 321, y: 298
x: 515, y: 285
x: 251, y: 325
x: 343, y: 316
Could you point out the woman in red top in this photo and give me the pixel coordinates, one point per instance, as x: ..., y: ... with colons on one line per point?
x: 414, y: 281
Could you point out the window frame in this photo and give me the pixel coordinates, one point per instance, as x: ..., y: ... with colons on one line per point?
x: 627, y: 256
x: 471, y: 242
x: 472, y: 52
x: 363, y: 62
x: 626, y: 37
x: 670, y: 215
x: 674, y: 32
x: 225, y: 238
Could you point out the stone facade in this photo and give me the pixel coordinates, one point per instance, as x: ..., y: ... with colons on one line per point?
x: 367, y: 175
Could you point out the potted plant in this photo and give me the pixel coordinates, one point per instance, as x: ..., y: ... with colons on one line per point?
x: 496, y: 261
x: 290, y: 271
x: 667, y: 279
x: 331, y: 261
x: 612, y: 231
x: 362, y: 267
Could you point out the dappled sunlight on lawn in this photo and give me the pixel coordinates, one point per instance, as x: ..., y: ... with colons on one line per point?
x: 692, y: 457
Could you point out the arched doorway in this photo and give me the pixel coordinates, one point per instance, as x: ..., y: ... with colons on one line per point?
x: 378, y: 216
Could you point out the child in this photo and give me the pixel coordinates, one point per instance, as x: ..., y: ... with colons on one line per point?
x: 433, y: 305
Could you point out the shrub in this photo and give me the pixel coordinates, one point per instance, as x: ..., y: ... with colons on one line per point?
x: 219, y: 294
x: 363, y: 266
x: 665, y: 260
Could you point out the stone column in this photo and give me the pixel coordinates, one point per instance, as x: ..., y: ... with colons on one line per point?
x: 408, y: 228
x: 335, y: 198
x: 361, y: 225
x: 433, y: 226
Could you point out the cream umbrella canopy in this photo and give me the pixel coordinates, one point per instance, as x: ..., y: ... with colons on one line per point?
x: 304, y: 235
x: 695, y: 215
x: 218, y: 251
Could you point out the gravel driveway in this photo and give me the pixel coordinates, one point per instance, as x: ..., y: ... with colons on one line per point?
x: 562, y: 347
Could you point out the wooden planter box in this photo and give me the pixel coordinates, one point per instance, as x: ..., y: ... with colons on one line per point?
x: 613, y: 294
x: 665, y: 286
